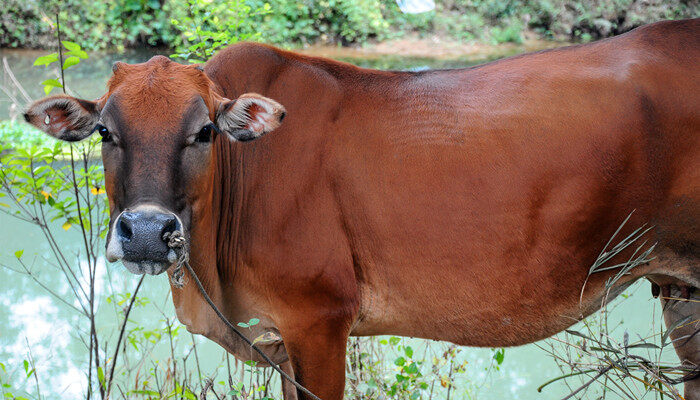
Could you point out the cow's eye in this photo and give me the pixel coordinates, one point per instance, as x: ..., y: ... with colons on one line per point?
x: 104, y: 133
x: 204, y: 135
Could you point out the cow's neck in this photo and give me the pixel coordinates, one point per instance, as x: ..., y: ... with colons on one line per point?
x: 211, y: 255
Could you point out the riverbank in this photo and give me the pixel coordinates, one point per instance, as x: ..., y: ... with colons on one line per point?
x: 437, y: 47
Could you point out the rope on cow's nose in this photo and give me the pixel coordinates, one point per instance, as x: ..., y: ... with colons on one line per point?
x: 177, y: 242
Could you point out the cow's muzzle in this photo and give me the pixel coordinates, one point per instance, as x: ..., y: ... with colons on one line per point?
x: 138, y: 239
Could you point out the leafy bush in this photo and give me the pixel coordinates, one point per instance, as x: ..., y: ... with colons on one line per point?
x: 502, y: 20
x: 510, y: 33
x: 94, y: 24
x: 130, y: 23
x: 206, y: 27
x: 343, y: 21
x: 19, y: 135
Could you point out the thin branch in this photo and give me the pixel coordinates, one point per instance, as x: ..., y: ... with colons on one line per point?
x: 15, y: 81
x: 60, y: 53
x: 121, y: 335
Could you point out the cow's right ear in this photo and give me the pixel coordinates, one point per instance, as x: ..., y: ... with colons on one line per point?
x: 64, y: 117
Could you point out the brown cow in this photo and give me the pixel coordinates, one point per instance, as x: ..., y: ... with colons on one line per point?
x: 463, y: 205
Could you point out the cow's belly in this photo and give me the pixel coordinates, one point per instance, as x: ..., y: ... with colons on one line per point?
x: 489, y: 258
x: 489, y: 316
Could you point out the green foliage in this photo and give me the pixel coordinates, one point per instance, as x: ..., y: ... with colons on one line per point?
x: 206, y: 27
x: 7, y: 388
x: 249, y: 324
x: 129, y: 23
x: 504, y: 20
x: 72, y: 55
x: 499, y: 355
x: 391, y: 368
x: 510, y: 33
x: 94, y: 24
x: 38, y: 175
x: 20, y: 135
x: 341, y: 21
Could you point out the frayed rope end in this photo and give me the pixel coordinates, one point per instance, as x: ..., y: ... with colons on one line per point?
x: 176, y: 241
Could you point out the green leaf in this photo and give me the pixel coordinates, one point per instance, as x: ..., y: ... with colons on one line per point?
x: 78, y: 53
x: 189, y: 395
x: 499, y: 356
x: 253, y: 322
x: 409, y: 351
x: 49, y: 84
x: 101, y: 376
x: 412, y: 368
x: 71, y: 45
x: 70, y: 61
x: 47, y: 59
x: 19, y: 253
x: 400, y: 361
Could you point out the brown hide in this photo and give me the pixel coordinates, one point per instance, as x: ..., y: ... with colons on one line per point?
x: 462, y: 205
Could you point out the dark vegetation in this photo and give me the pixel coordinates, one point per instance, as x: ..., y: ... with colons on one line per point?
x: 138, y: 23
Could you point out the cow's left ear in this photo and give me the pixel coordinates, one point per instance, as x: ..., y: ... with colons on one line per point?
x: 64, y: 117
x: 249, y: 116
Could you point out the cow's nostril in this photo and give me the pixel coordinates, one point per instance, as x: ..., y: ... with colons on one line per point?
x: 169, y: 226
x: 124, y: 229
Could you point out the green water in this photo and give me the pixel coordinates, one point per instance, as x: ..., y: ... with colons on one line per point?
x: 31, y: 318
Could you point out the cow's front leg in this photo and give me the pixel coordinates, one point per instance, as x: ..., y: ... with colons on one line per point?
x: 317, y: 354
x: 289, y: 391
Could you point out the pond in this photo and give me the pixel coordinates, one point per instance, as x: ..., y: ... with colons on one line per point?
x: 33, y: 322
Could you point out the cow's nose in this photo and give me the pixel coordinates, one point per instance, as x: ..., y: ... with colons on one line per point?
x: 141, y: 235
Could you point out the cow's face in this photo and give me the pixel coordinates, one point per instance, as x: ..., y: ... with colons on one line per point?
x: 157, y: 122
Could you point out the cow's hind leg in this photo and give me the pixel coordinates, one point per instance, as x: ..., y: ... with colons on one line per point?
x: 675, y: 280
x: 683, y: 316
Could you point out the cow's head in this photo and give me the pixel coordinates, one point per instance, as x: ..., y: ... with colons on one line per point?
x: 157, y: 122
